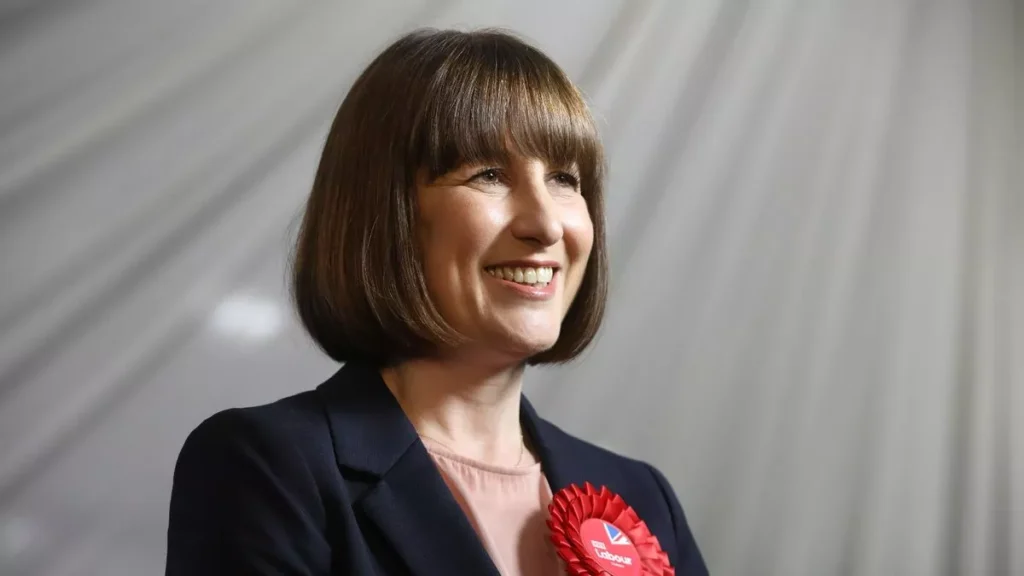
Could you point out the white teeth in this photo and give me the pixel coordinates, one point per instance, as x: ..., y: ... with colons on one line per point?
x: 539, y: 276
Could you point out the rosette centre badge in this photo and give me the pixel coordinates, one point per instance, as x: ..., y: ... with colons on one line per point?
x: 610, y: 548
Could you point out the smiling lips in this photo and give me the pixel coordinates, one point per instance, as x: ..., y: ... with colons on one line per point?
x: 534, y: 281
x: 530, y: 276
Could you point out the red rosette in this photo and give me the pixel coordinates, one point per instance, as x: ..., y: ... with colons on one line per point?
x: 595, y: 532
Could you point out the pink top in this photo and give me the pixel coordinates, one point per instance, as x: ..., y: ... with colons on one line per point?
x: 508, y: 508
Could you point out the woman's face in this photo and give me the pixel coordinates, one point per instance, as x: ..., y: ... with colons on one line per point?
x: 505, y: 249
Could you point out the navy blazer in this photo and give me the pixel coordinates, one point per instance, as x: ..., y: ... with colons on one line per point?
x: 336, y: 481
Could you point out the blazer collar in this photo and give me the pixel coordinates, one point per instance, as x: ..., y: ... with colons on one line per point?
x: 553, y: 448
x: 371, y: 432
x: 410, y: 501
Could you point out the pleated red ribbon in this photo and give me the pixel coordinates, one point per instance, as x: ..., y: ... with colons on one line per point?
x: 595, y: 532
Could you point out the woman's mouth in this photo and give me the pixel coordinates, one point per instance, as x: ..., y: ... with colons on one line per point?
x: 537, y: 277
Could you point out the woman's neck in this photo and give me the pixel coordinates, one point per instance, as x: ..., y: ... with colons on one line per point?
x: 471, y: 409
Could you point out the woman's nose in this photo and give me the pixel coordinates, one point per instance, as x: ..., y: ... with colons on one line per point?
x: 537, y: 218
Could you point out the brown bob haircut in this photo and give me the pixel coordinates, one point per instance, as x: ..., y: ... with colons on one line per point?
x: 432, y: 100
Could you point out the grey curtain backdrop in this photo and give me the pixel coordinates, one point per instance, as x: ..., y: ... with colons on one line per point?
x: 817, y: 220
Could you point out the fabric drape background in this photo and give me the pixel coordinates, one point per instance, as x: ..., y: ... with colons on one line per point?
x: 816, y: 214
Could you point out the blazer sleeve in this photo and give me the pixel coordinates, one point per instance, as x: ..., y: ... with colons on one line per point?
x: 690, y: 561
x: 244, y: 501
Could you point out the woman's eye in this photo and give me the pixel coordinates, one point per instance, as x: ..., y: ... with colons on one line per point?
x: 566, y: 179
x: 489, y: 176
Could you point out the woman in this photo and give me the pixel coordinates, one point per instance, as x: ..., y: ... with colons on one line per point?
x: 454, y: 235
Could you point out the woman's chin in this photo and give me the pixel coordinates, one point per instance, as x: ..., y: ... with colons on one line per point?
x: 515, y: 342
x: 527, y: 347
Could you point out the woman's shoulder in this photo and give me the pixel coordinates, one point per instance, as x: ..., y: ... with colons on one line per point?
x: 259, y: 474
x: 279, y: 433
x: 281, y: 420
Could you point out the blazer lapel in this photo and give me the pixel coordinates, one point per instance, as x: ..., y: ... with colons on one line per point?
x: 409, y: 502
x: 557, y: 458
x: 424, y: 523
